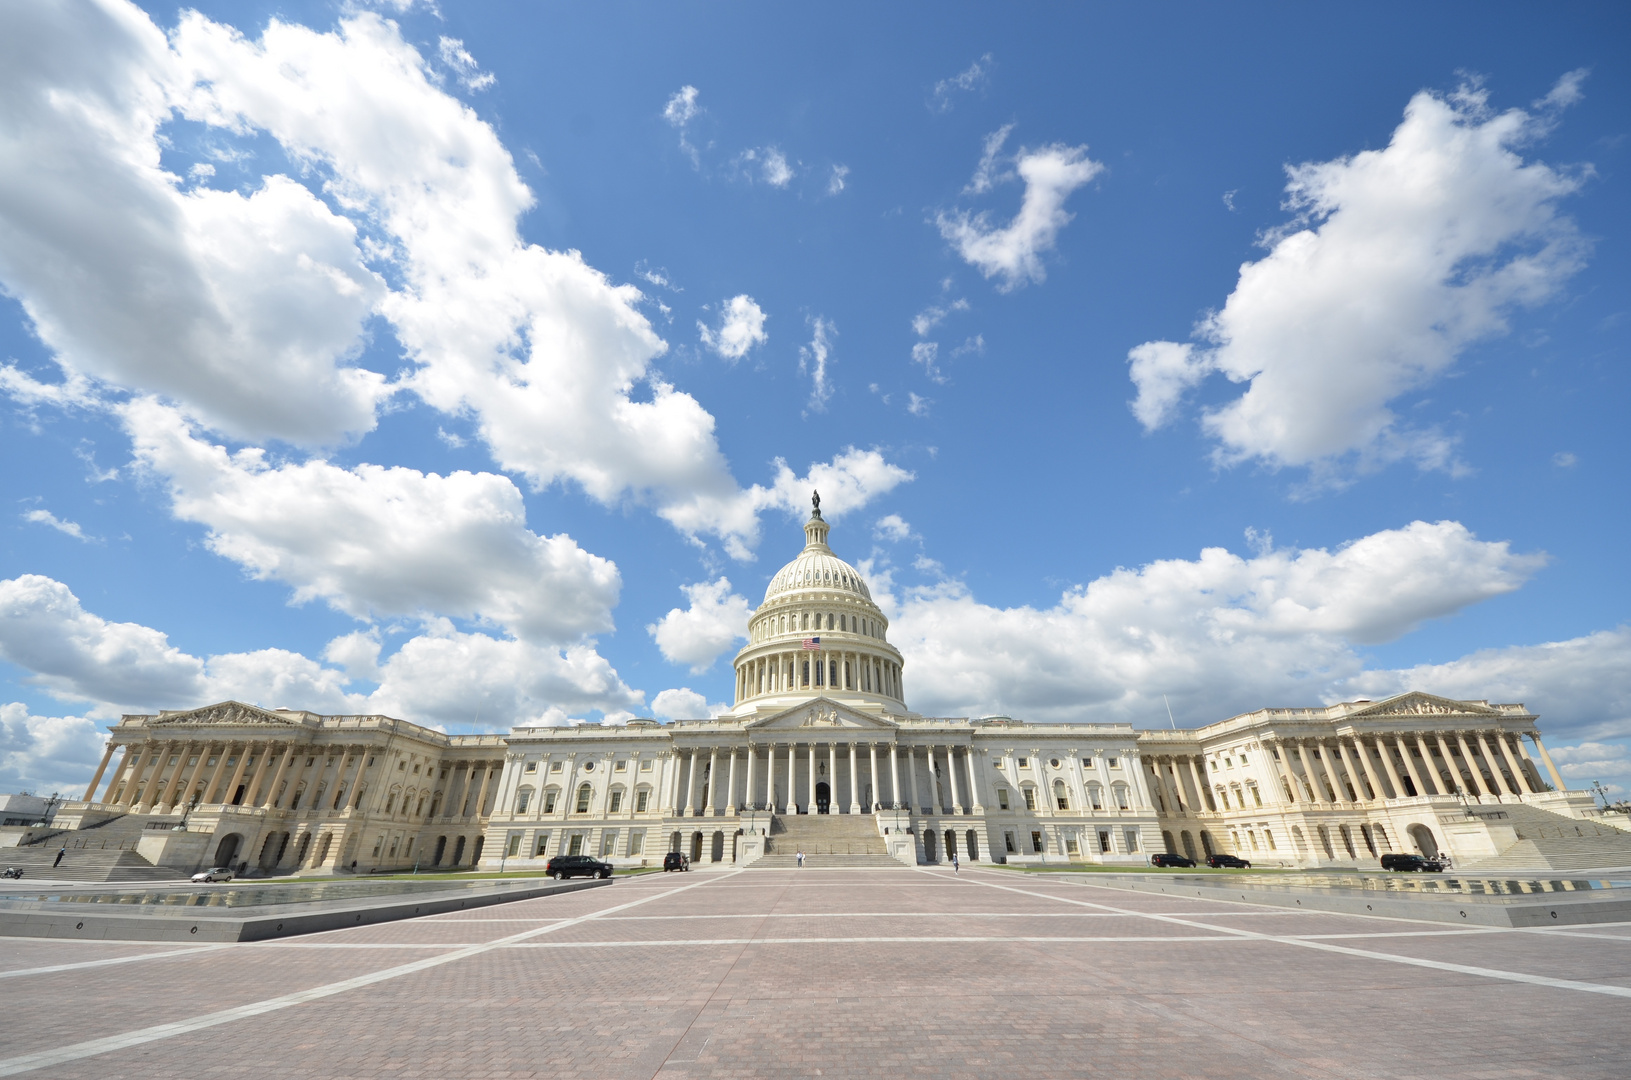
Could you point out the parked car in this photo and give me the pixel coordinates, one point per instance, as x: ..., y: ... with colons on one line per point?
x: 562, y: 867
x: 1164, y: 859
x: 1230, y: 862
x: 676, y: 860
x: 1410, y: 862
x: 219, y: 873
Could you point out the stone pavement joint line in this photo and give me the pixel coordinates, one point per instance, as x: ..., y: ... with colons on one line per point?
x: 1347, y: 950
x: 46, y: 1058
x: 54, y: 968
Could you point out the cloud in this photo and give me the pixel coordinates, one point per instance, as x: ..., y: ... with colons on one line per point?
x: 925, y: 353
x: 917, y: 406
x: 464, y: 66
x: 50, y: 520
x: 741, y: 327
x: 892, y: 527
x: 1563, y: 459
x: 440, y: 676
x: 713, y: 622
x: 933, y: 315
x: 813, y: 361
x: 1398, y: 260
x: 769, y: 163
x: 991, y: 171
x: 1219, y: 634
x: 375, y: 541
x: 684, y: 704
x: 836, y: 181
x: 976, y: 75
x: 1012, y: 252
x: 46, y: 754
x: 679, y: 111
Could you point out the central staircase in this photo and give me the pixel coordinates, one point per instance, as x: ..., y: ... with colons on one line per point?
x: 826, y: 840
x: 1548, y: 841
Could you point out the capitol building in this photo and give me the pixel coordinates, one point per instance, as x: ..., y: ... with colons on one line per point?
x: 820, y: 753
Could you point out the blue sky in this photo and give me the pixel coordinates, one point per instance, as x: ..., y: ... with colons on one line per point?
x: 474, y: 365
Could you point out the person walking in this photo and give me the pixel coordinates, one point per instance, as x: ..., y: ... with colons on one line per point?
x: 801, y: 858
x: 61, y: 853
x: 956, y: 867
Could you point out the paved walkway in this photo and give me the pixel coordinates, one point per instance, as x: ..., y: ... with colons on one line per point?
x: 835, y: 973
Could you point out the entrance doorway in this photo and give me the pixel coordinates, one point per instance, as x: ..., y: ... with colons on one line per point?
x: 823, y: 798
x: 928, y: 847
x: 696, y: 847
x: 1422, y: 837
x: 227, y: 849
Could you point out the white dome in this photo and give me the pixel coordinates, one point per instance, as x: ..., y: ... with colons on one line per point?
x: 817, y: 569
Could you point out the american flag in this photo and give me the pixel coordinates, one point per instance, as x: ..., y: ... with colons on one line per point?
x: 812, y: 643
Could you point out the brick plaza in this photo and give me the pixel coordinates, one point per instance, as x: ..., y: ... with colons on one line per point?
x: 835, y: 973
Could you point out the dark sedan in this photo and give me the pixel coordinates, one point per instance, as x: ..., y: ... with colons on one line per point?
x: 562, y: 867
x: 1165, y: 859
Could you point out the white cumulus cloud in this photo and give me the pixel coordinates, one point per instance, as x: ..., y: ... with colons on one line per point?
x: 714, y: 619
x: 1012, y: 253
x: 813, y: 361
x: 684, y: 703
x: 46, y: 754
x: 1398, y: 260
x: 741, y: 327
x: 51, y: 521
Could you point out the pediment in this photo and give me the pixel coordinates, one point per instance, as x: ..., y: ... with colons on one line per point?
x: 226, y: 714
x: 1416, y: 703
x: 820, y: 714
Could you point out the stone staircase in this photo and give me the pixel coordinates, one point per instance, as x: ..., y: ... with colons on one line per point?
x: 826, y: 840
x: 1548, y: 841
x: 103, y: 851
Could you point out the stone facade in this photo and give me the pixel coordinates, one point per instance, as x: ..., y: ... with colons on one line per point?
x: 820, y: 749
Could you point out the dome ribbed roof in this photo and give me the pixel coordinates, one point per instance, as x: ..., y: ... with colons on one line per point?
x: 817, y: 568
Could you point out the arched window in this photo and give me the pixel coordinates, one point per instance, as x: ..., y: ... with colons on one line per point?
x: 1120, y: 793
x: 584, y: 791
x: 522, y: 798
x: 1060, y: 797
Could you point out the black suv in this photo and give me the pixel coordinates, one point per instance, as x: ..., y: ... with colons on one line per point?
x: 1410, y: 862
x: 1219, y: 862
x: 567, y: 866
x: 676, y: 860
x: 1164, y: 859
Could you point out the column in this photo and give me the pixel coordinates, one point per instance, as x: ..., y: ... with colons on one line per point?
x: 792, y: 779
x: 854, y: 782
x: 481, y: 797
x: 1330, y: 771
x: 688, y: 770
x: 951, y: 770
x: 1174, y: 807
x: 1353, y: 772
x: 752, y: 800
x: 153, y: 793
x: 118, y: 775
x: 1392, y: 773
x: 894, y: 778
x: 1472, y: 764
x: 238, y: 774
x: 809, y: 796
x: 198, y: 771
x: 730, y: 788
x: 1449, y: 760
x: 832, y: 777
x: 182, y: 754
x: 272, y: 789
x: 1557, y: 778
x: 1512, y: 763
x: 1200, y: 786
x: 107, y: 756
x: 877, y: 796
x: 1437, y: 781
x: 212, y: 785
x: 1308, y: 772
x: 1484, y: 748
x: 709, y: 802
x: 1531, y: 770
x: 1282, y: 769
x: 974, y: 788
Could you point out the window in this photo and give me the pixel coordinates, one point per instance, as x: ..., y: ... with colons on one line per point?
x: 1104, y: 840
x: 1002, y: 798
x: 1087, y: 763
x: 645, y: 766
x: 549, y: 801
x: 1132, y: 839
x: 617, y: 802
x: 390, y: 804
x: 531, y: 767
x: 1112, y: 763
x: 1121, y: 796
x: 1036, y: 842
x: 514, y: 847
x: 542, y: 845
x: 1257, y: 796
x: 1008, y: 842
x: 416, y: 769
x: 1095, y: 796
x: 379, y: 844
x: 554, y: 766
x: 584, y: 791
x: 521, y: 801
x: 608, y: 843
x: 1030, y: 798
x: 637, y: 842
x: 588, y: 766
x: 401, y: 766
x: 576, y: 846
x: 641, y: 799
x: 1025, y: 763
x: 1059, y: 795
x: 620, y: 766
x: 1053, y: 762
x: 1070, y: 845
x: 1268, y: 837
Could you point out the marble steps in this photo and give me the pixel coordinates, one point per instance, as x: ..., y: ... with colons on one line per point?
x: 1556, y: 842
x: 825, y: 834
x: 817, y: 862
x: 85, y: 864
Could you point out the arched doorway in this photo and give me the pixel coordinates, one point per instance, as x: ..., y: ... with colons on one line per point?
x: 1166, y: 841
x: 674, y: 841
x: 475, y: 856
x: 1325, y: 842
x: 1206, y: 843
x: 269, y: 851
x: 1422, y: 837
x: 227, y: 850
x: 1189, y: 843
x: 696, y: 847
x: 951, y: 844
x: 718, y: 847
x: 973, y: 846
x: 441, y: 849
x: 736, y: 845
x: 928, y: 847
x: 300, y: 852
x: 823, y: 798
x: 458, y: 851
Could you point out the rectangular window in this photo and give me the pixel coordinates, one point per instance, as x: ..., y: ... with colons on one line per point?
x: 379, y: 844
x: 514, y: 847
x: 521, y: 802
x: 1070, y: 846
x: 608, y: 843
x: 645, y: 766
x: 554, y: 766
x: 1112, y: 762
x: 1030, y: 798
x: 531, y: 766
x: 409, y: 849
x: 1024, y: 763
x: 1132, y: 839
x: 1087, y: 763
x: 583, y: 799
x: 1104, y: 840
x: 576, y: 846
x: 1008, y: 842
x: 637, y: 842
x: 549, y: 802
x: 543, y: 845
x: 1256, y: 796
x: 641, y: 799
x: 620, y: 766
x: 1002, y: 798
x: 617, y: 802
x: 1036, y: 842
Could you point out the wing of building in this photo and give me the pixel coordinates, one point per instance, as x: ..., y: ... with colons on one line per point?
x: 820, y: 754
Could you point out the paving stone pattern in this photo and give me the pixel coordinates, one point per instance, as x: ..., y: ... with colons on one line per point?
x: 835, y: 973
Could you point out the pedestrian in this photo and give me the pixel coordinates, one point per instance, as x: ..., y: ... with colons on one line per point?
x: 63, y: 851
x: 801, y: 858
x: 956, y: 868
